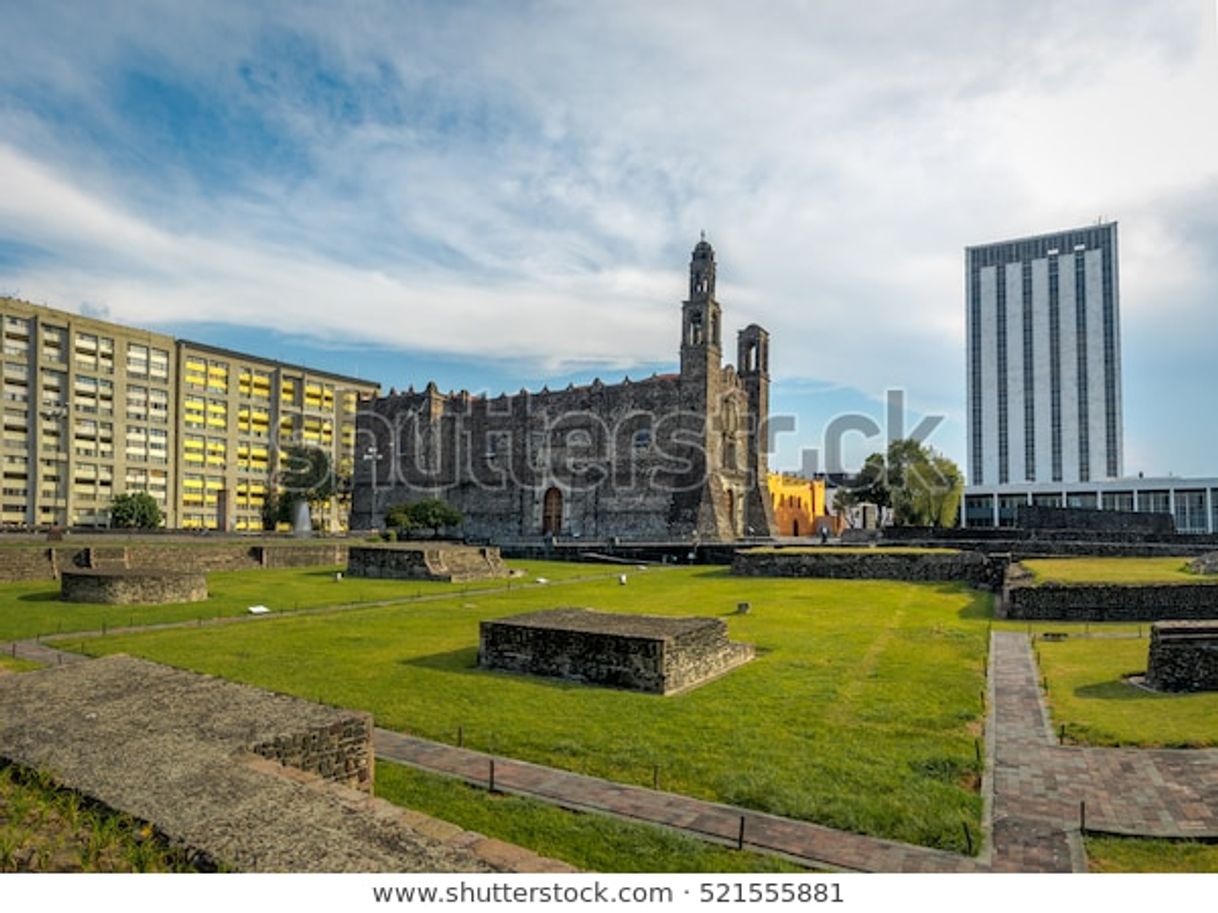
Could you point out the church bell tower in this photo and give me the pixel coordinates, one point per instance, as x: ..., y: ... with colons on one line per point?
x: 701, y: 320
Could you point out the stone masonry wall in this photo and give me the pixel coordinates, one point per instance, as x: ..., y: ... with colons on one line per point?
x: 632, y: 657
x: 1086, y: 602
x: 17, y: 563
x: 425, y: 562
x: 132, y: 587
x: 1028, y: 516
x: 43, y: 563
x: 701, y: 654
x: 339, y: 751
x: 1183, y: 656
x: 971, y: 567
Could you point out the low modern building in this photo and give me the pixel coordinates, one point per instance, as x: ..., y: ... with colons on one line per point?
x: 93, y: 409
x: 1193, y: 502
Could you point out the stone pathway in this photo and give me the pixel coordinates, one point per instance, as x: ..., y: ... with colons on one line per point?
x: 1040, y: 786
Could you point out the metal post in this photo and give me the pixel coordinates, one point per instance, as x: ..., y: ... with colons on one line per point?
x: 491, y: 781
x: 655, y: 776
x: 460, y: 736
x: 968, y: 838
x: 1082, y: 817
x: 740, y: 836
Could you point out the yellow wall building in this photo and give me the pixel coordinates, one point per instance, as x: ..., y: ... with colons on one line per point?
x: 93, y: 409
x: 799, y: 504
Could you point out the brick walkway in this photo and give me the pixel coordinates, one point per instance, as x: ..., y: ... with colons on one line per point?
x: 809, y: 842
x: 1039, y: 784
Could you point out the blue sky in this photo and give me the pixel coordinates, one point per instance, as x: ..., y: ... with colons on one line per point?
x: 505, y: 195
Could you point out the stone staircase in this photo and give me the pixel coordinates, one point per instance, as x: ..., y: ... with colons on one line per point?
x: 106, y: 557
x: 461, y: 563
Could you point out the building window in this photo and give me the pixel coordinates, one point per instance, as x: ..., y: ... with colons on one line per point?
x: 137, y: 360
x: 1190, y: 511
x: 1154, y: 502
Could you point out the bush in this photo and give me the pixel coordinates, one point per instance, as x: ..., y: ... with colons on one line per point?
x: 135, y: 510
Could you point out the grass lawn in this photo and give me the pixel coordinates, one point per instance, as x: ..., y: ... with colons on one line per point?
x: 34, y: 608
x: 45, y: 829
x: 1114, y: 570
x: 1128, y: 854
x: 1087, y: 692
x: 597, y: 843
x: 860, y: 711
x: 12, y: 664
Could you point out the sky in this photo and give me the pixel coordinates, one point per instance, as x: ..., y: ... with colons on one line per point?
x: 500, y: 196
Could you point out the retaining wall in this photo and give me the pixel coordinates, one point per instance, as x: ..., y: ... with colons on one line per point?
x: 1183, y: 656
x: 974, y: 568
x: 1108, y: 602
x: 447, y: 562
x: 132, y: 587
x: 18, y: 563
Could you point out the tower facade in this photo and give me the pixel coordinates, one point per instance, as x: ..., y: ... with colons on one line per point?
x: 1044, y: 359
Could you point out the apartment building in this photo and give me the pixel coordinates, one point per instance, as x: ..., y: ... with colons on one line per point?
x: 235, y: 413
x: 93, y: 409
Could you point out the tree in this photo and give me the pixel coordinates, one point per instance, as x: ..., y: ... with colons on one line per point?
x: 305, y: 474
x: 919, y: 484
x: 135, y: 510
x: 429, y: 513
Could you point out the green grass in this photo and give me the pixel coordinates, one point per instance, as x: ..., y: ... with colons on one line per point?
x: 45, y: 829
x: 16, y: 664
x: 596, y: 843
x: 1088, y: 693
x: 1128, y: 854
x: 1114, y: 570
x: 34, y: 608
x: 860, y: 711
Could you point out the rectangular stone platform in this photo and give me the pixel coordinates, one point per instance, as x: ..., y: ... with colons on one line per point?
x: 1183, y: 656
x: 234, y: 775
x: 652, y: 653
x: 431, y: 561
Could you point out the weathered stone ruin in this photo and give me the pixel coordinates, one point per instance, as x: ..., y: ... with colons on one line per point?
x: 656, y: 654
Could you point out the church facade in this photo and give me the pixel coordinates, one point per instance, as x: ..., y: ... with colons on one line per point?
x: 673, y: 456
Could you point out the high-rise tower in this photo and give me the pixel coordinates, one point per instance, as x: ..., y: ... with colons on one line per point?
x: 1044, y: 359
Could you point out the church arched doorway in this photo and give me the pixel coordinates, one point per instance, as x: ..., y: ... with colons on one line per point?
x: 551, y: 512
x: 794, y: 527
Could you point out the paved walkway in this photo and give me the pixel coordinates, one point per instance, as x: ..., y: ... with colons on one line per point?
x: 1040, y: 786
x: 809, y: 842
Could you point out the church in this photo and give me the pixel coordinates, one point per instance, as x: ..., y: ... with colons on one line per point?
x: 678, y: 456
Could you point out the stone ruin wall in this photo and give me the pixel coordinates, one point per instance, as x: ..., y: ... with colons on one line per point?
x: 453, y: 563
x: 132, y: 587
x: 697, y: 656
x: 20, y: 563
x: 1026, y: 600
x: 340, y: 751
x: 973, y: 568
x: 1183, y: 656
x: 633, y: 662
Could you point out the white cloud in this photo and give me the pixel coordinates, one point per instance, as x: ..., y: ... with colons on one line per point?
x: 528, y: 182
